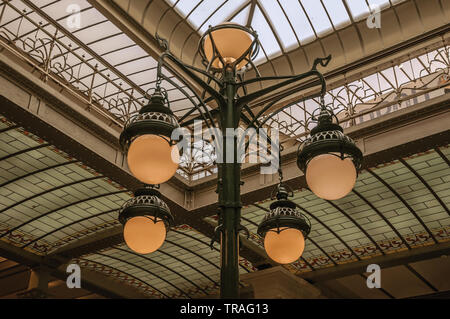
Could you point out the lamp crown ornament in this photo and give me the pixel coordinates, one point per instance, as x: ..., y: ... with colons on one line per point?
x: 154, y: 118
x: 146, y: 202
x: 158, y: 102
x: 326, y: 120
x: 283, y: 192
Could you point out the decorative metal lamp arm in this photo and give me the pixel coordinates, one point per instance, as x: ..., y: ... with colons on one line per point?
x: 189, y: 70
x: 221, y: 84
x: 205, y: 114
x: 290, y: 80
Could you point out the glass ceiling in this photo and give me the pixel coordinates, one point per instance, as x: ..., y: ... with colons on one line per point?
x: 113, y: 73
x: 97, y: 58
x: 282, y: 25
x: 419, y: 76
x: 331, y: 227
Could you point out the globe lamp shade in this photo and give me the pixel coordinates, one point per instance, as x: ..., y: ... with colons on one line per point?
x: 329, y: 159
x: 285, y: 246
x: 152, y: 160
x: 146, y: 219
x: 152, y: 155
x: 330, y: 177
x: 144, y: 235
x: 231, y: 44
x: 284, y: 228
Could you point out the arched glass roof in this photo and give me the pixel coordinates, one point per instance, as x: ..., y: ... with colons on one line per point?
x: 95, y: 58
x: 282, y: 25
x: 112, y: 73
x: 397, y: 82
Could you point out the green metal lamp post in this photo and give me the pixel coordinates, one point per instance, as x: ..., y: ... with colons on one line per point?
x: 225, y: 49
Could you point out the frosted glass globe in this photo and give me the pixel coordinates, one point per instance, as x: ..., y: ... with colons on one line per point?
x: 152, y: 160
x: 231, y: 43
x: 284, y: 247
x: 330, y: 177
x: 143, y: 235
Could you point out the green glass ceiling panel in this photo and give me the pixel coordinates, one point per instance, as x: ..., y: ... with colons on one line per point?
x: 326, y: 219
x: 47, y: 198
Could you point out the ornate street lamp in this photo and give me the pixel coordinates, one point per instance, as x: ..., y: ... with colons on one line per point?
x: 284, y: 229
x: 329, y: 158
x: 225, y: 49
x: 152, y: 156
x: 146, y: 219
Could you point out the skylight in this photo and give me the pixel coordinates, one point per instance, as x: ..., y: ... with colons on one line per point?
x: 285, y: 32
x: 419, y: 74
x: 105, y: 63
x: 282, y: 25
x: 96, y: 57
x: 338, y: 15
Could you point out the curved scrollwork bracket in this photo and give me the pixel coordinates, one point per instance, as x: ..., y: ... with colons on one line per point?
x: 219, y: 229
x: 216, y: 236
x: 245, y: 230
x: 322, y: 61
x: 162, y: 42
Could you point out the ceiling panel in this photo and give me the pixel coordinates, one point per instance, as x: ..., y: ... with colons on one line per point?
x: 352, y: 223
x: 436, y: 271
x: 282, y: 25
x: 49, y: 198
x: 184, y: 267
x: 391, y: 279
x: 357, y: 284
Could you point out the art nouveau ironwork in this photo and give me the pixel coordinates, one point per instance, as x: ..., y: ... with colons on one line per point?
x: 222, y: 87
